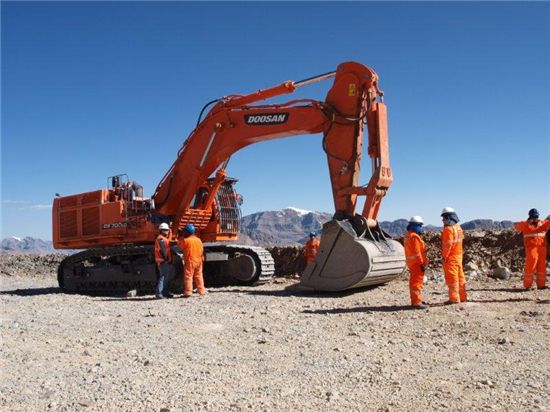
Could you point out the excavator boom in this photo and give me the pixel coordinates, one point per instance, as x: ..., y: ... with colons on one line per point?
x: 233, y: 124
x: 353, y: 102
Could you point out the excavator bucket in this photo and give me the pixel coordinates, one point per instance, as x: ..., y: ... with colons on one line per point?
x: 346, y: 260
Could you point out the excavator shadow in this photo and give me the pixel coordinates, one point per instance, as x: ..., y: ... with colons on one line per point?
x: 32, y: 292
x: 293, y: 290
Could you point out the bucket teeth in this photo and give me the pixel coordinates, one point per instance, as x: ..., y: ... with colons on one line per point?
x: 346, y: 261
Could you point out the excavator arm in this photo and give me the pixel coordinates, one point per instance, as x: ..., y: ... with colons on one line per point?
x: 233, y: 123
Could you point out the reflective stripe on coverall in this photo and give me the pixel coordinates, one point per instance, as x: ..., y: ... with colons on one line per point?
x: 451, y: 254
x: 534, y: 239
x: 311, y: 249
x: 415, y: 254
x: 192, y: 261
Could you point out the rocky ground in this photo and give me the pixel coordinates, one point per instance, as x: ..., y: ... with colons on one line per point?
x: 270, y: 348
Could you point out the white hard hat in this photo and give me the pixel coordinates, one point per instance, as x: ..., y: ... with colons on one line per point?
x: 447, y: 210
x: 164, y: 226
x: 416, y: 219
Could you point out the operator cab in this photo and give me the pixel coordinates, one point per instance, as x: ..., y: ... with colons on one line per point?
x: 122, y: 188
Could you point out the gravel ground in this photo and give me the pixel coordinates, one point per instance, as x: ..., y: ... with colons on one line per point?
x: 267, y: 348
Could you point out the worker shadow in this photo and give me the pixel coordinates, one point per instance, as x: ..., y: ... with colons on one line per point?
x: 32, y: 291
x: 126, y: 299
x: 361, y: 309
x: 509, y: 300
x: 510, y: 290
x: 461, y: 305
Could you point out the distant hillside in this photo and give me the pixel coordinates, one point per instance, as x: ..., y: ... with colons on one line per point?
x: 395, y: 228
x: 399, y: 226
x: 281, y: 227
x: 485, y: 224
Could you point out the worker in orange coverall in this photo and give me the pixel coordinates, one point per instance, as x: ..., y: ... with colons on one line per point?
x: 451, y: 255
x: 534, y: 239
x: 193, y: 258
x: 415, y: 253
x: 312, y: 247
x: 163, y: 259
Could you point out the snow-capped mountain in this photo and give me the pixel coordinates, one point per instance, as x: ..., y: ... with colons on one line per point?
x: 28, y: 244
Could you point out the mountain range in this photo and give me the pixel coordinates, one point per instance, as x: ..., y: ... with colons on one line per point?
x: 290, y: 226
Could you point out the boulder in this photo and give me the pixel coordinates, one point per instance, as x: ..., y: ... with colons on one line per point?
x: 501, y: 273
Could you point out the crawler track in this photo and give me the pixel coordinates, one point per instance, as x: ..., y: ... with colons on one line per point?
x: 260, y: 272
x: 116, y: 270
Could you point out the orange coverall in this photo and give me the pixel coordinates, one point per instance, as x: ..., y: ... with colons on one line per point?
x: 162, y: 246
x: 311, y: 249
x: 451, y: 254
x: 192, y: 260
x: 534, y: 239
x: 415, y: 253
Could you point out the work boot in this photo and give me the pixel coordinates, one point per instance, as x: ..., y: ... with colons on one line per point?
x: 168, y: 295
x: 421, y: 306
x: 186, y: 296
x: 451, y: 302
x: 160, y: 297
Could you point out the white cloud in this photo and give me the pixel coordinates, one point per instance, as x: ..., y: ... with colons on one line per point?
x: 36, y: 207
x: 40, y: 207
x: 25, y: 204
x: 16, y: 202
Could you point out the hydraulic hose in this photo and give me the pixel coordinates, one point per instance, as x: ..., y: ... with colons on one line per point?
x: 204, y: 108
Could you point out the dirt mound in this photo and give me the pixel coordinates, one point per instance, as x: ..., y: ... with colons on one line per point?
x: 30, y: 264
x: 289, y: 260
x: 486, y: 248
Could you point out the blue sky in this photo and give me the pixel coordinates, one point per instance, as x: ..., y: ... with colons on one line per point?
x: 94, y: 89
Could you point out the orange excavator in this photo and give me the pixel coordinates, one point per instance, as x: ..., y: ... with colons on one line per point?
x: 117, y: 226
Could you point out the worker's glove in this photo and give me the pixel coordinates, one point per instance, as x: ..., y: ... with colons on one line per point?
x: 422, y: 268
